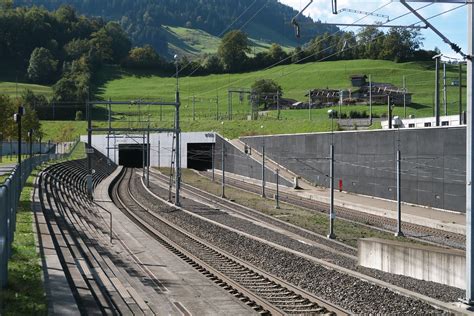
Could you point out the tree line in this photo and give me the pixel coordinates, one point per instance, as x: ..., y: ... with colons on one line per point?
x: 143, y: 19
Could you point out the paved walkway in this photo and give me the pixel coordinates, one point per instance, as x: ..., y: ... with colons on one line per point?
x: 416, y: 214
x: 185, y: 289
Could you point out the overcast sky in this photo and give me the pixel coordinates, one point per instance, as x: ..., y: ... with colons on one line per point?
x: 452, y: 24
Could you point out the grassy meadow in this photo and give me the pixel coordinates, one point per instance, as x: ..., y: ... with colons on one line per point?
x: 211, y: 98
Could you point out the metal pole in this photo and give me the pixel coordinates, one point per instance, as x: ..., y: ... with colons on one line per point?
x: 229, y: 105
x: 40, y: 145
x: 1, y: 147
x: 389, y: 113
x: 213, y: 161
x: 404, y: 97
x: 148, y: 156
x: 445, y: 91
x: 370, y: 99
x: 194, y: 108
x: 89, y: 149
x: 108, y: 133
x: 223, y: 170
x: 437, y: 91
x: 399, y: 232
x: 143, y: 156
x: 309, y: 104
x: 460, y: 93
x: 277, y: 196
x: 178, y: 144
x: 331, y: 234
x: 469, y: 166
x: 217, y: 107
x: 159, y: 152
x: 263, y: 170
x: 278, y: 105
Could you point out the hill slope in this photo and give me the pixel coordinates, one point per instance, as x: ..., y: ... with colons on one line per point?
x: 266, y: 20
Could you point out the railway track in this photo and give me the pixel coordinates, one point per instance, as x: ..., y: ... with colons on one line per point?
x: 271, y: 222
x: 412, y: 231
x: 263, y: 292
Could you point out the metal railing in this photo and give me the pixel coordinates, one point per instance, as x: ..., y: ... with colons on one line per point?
x: 10, y: 192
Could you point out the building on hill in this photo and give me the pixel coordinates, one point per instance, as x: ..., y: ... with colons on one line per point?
x: 360, y: 94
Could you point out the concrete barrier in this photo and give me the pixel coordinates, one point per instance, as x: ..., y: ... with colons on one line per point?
x: 429, y: 263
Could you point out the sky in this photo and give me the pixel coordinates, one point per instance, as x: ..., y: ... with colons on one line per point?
x: 452, y: 24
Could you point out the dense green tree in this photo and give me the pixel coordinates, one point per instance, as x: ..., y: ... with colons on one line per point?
x: 42, y: 66
x: 142, y: 57
x: 8, y: 128
x: 264, y: 91
x: 120, y: 42
x: 233, y: 50
x: 213, y: 64
x: 76, y: 48
x: 276, y: 53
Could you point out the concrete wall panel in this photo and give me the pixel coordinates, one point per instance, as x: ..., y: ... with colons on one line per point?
x: 433, y: 162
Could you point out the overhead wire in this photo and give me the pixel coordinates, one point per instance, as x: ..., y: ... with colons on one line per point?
x: 289, y: 57
x: 225, y: 30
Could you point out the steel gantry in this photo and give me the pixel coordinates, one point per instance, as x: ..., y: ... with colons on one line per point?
x: 144, y: 130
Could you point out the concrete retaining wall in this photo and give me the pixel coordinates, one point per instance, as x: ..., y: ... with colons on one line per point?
x: 446, y: 266
x: 433, y: 165
x: 239, y: 163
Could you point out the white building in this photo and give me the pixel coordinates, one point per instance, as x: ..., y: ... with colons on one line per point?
x: 127, y: 149
x: 450, y: 120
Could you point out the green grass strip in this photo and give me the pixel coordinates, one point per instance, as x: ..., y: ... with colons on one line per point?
x: 25, y: 293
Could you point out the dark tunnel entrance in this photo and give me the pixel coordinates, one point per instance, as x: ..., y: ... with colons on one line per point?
x: 200, y: 156
x: 131, y: 155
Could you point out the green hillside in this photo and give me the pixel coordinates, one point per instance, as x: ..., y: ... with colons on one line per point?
x: 295, y: 80
x: 118, y: 84
x: 12, y: 89
x: 197, y: 42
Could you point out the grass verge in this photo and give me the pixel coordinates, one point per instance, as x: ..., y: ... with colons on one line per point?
x: 346, y: 232
x: 24, y: 294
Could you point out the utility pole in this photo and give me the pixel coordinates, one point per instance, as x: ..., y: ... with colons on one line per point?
x: 217, y: 107
x: 178, y: 135
x: 277, y: 196
x: 399, y: 232
x: 370, y: 99
x: 389, y: 109
x: 263, y: 170
x: 278, y: 105
x: 159, y: 152
x: 108, y: 133
x: 30, y: 143
x: 143, y: 157
x: 460, y: 94
x: 194, y: 108
x: 229, y: 105
x: 89, y: 149
x: 469, y: 162
x: 309, y: 104
x: 17, y: 117
x: 148, y: 150
x: 445, y: 91
x: 404, y: 97
x: 1, y: 147
x: 332, y: 216
x: 223, y: 170
x: 437, y: 60
x: 213, y: 161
